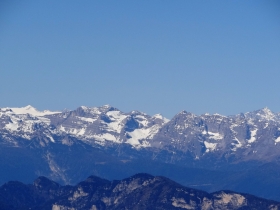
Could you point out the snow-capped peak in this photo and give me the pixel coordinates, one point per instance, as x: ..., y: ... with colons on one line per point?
x: 159, y: 116
x: 106, y: 108
x: 265, y: 114
x: 31, y: 110
x: 267, y: 111
x: 84, y: 107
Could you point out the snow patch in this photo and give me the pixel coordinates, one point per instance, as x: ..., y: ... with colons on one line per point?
x: 234, y: 198
x: 210, y: 146
x: 236, y: 145
x: 91, y: 120
x: 277, y: 140
x: 215, y: 136
x: 12, y: 126
x: 106, y: 136
x: 141, y: 134
x: 136, y: 135
x: 61, y: 128
x: 81, y: 132
x: 181, y: 203
x: 253, y: 136
x: 212, y: 135
x: 159, y: 116
x: 44, y: 120
x: 142, y: 120
x: 51, y: 138
x: 117, y: 118
x: 204, y: 132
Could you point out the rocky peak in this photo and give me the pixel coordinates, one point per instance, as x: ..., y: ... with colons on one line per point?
x: 141, y: 191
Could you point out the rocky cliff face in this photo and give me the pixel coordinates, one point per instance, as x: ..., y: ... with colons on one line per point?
x: 141, y: 191
x: 99, y: 125
x: 211, y: 152
x: 249, y: 136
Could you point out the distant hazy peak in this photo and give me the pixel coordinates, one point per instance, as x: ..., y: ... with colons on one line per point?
x: 30, y: 110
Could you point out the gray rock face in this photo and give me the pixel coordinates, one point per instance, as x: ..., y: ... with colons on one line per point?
x: 98, y: 125
x: 67, y: 146
x: 141, y: 191
x: 250, y: 136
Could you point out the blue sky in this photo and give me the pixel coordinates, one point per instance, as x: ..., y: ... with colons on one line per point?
x: 152, y: 56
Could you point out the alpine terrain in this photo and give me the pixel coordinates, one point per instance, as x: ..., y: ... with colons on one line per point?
x: 207, y: 152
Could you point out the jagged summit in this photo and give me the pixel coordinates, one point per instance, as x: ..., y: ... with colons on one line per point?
x: 101, y: 125
x: 105, y: 140
x: 29, y: 109
x: 96, y: 125
x: 264, y: 114
x: 141, y: 191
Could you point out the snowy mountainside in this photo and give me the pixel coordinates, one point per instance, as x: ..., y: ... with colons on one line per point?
x: 253, y: 135
x: 93, y: 125
x: 242, y: 150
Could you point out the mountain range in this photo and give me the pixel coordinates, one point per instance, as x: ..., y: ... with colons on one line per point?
x: 141, y: 191
x: 210, y: 151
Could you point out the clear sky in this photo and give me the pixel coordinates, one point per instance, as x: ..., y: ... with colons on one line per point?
x: 149, y: 55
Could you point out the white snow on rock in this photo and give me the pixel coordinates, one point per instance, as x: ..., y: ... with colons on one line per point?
x: 267, y: 114
x: 136, y: 135
x: 266, y: 124
x: 82, y: 132
x: 87, y: 119
x: 159, y: 116
x: 26, y: 121
x: 215, y: 136
x: 277, y: 140
x: 106, y: 136
x: 253, y: 136
x: 236, y: 145
x: 140, y: 134
x: 117, y: 117
x: 44, y: 120
x: 31, y: 110
x: 61, y: 128
x: 142, y: 120
x: 22, y: 123
x: 12, y: 126
x: 91, y: 110
x: 51, y: 138
x: 210, y: 146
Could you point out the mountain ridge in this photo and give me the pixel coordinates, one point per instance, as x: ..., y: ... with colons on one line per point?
x: 140, y: 191
x: 112, y: 118
x: 67, y: 146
